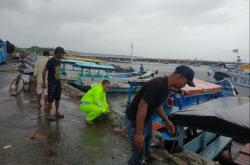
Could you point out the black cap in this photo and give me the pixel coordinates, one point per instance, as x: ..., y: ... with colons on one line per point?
x: 187, y: 72
x: 59, y: 50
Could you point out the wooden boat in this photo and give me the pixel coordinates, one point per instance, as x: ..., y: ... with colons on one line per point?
x: 222, y: 120
x: 238, y: 73
x: 84, y: 74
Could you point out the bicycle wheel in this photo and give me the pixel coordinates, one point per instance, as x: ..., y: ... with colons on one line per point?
x: 16, y: 86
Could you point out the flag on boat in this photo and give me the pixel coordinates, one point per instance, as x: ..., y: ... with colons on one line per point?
x: 235, y: 50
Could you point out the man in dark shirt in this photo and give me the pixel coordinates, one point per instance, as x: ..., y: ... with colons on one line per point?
x: 141, y: 69
x: 54, y: 83
x: 147, y: 101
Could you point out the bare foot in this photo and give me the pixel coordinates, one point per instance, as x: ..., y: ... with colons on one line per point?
x: 38, y: 106
x: 45, y: 108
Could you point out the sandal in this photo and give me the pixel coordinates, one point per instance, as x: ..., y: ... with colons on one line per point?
x: 149, y: 158
x: 59, y: 116
x: 89, y: 122
x: 51, y: 118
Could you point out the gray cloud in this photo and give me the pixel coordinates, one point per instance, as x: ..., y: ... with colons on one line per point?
x: 207, y: 29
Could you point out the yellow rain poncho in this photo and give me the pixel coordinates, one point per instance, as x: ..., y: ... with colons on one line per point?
x: 94, y: 102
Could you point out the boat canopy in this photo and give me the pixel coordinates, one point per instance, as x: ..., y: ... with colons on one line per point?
x: 201, y: 87
x: 84, y: 64
x: 245, y: 67
x: 84, y: 59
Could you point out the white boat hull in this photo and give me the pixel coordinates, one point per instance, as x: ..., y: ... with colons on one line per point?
x: 236, y: 77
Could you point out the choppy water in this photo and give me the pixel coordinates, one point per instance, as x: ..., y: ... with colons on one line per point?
x: 118, y: 101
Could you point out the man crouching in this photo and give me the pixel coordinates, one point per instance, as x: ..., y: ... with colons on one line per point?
x: 94, y: 102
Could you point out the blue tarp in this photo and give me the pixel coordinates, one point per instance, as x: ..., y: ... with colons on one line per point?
x: 3, y: 53
x: 228, y: 116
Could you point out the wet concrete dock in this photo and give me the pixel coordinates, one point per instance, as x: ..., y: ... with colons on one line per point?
x: 33, y: 140
x: 27, y: 138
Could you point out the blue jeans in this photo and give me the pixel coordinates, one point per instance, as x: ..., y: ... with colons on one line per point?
x: 138, y: 154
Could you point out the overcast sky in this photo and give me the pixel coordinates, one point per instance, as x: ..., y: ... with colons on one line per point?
x: 183, y: 29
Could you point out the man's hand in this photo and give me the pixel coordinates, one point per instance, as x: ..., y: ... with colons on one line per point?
x: 44, y: 85
x: 139, y: 141
x: 170, y: 125
x: 44, y: 76
x: 171, y: 128
x: 105, y: 110
x: 34, y: 79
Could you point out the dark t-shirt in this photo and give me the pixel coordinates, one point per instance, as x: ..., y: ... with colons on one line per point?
x: 53, y: 67
x: 153, y: 92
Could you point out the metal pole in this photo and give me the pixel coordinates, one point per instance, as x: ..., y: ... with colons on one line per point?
x: 132, y: 47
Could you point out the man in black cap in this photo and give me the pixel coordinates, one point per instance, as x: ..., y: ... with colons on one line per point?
x: 147, y: 101
x: 54, y: 83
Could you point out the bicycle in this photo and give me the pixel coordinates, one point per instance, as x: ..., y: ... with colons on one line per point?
x: 18, y: 84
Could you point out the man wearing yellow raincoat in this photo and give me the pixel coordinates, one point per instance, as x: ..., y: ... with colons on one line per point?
x: 94, y: 102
